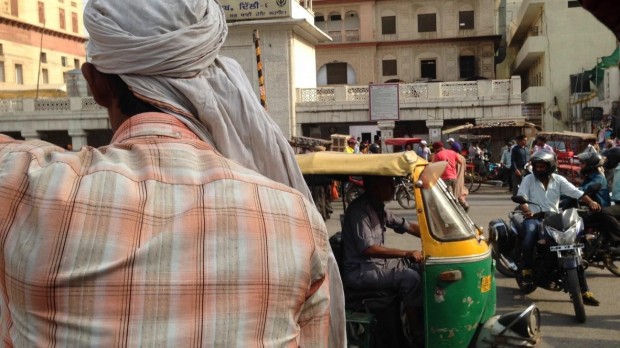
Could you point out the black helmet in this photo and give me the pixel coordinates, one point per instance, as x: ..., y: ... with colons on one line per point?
x: 543, y: 156
x: 374, y: 148
x: 592, y: 161
x: 612, y: 158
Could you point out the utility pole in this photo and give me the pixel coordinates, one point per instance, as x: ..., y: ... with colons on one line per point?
x: 259, y: 68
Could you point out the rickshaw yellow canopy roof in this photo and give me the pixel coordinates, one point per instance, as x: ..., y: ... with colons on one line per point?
x: 340, y: 163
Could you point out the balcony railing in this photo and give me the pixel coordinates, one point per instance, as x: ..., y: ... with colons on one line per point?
x: 49, y: 104
x: 414, y: 91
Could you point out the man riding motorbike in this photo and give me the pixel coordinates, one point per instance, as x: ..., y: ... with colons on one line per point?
x: 544, y: 189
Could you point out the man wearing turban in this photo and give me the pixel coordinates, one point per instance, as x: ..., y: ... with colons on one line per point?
x: 194, y: 227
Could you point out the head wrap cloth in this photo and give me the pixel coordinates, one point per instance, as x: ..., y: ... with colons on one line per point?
x: 167, y: 53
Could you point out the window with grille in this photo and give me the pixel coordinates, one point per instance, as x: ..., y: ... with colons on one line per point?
x: 76, y: 63
x: 2, y: 78
x: 428, y: 69
x: 466, y: 19
x: 41, y: 7
x: 43, y: 57
x: 61, y: 19
x: 1, y: 50
x: 389, y: 67
x: 63, y: 61
x: 388, y: 25
x: 337, y: 73
x: 19, y: 74
x: 427, y: 22
x: 467, y: 66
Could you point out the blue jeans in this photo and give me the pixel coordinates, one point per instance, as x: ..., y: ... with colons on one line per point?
x: 529, y: 237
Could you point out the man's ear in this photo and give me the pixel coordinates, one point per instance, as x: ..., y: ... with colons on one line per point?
x: 100, y: 84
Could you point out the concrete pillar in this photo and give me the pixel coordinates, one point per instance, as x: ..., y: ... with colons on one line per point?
x: 78, y: 138
x: 30, y: 135
x: 434, y: 130
x: 387, y: 132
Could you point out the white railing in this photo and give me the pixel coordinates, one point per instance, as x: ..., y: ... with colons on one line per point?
x: 416, y: 91
x: 11, y: 105
x: 49, y: 104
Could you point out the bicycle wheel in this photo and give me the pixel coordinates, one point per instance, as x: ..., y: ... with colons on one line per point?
x: 469, y: 181
x: 475, y: 183
x: 405, y: 198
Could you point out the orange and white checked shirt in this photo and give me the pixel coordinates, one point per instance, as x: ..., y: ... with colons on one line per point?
x: 155, y: 240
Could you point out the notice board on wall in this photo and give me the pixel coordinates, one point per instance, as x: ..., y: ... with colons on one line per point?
x: 383, y: 102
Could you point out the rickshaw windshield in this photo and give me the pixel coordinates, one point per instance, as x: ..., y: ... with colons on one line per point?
x: 446, y: 219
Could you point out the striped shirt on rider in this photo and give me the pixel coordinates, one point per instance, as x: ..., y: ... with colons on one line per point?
x: 155, y: 240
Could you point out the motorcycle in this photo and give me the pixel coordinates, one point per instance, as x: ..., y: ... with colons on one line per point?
x: 558, y: 255
x: 600, y: 250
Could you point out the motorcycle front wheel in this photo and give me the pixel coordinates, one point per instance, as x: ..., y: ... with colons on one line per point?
x: 572, y: 285
x: 405, y: 198
x: 526, y: 288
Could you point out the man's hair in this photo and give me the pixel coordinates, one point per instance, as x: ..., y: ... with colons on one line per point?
x: 130, y: 104
x: 541, y: 138
x: 521, y: 137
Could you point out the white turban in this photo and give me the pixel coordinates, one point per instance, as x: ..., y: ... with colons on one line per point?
x: 167, y: 53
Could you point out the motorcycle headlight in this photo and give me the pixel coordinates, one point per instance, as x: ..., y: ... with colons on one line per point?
x: 565, y: 237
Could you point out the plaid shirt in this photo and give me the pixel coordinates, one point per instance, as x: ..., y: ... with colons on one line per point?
x: 155, y: 240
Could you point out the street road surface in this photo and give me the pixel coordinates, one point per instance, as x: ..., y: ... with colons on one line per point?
x: 558, y: 324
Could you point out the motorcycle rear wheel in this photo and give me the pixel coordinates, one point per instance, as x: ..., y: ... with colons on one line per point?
x: 612, y: 263
x: 574, y: 290
x: 404, y: 198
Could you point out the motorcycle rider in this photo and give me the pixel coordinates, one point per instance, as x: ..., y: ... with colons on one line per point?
x: 544, y: 188
x: 374, y: 148
x: 606, y: 220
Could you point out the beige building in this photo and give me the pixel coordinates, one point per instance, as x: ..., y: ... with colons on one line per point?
x: 405, y: 40
x: 548, y: 41
x: 40, y: 40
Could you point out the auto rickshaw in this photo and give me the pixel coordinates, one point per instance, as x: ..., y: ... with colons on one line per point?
x: 458, y: 270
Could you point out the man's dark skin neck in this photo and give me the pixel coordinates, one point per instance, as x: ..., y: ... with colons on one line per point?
x: 105, y: 94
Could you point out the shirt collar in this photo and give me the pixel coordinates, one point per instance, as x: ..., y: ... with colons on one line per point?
x: 152, y: 124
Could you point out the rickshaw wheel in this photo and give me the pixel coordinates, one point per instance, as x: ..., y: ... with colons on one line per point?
x: 525, y: 288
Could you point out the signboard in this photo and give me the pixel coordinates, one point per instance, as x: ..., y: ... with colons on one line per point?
x: 238, y: 10
x: 383, y: 101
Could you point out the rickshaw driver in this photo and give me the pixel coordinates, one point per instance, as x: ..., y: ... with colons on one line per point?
x: 367, y: 263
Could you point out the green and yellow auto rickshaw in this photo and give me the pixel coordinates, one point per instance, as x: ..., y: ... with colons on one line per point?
x: 458, y: 271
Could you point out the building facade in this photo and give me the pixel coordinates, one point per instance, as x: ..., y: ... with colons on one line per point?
x: 40, y: 40
x: 405, y: 41
x: 548, y: 41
